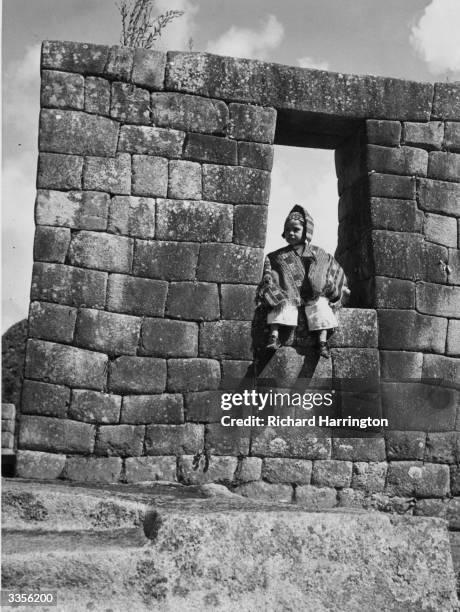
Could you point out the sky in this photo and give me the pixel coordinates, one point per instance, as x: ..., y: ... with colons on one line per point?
x: 411, y: 39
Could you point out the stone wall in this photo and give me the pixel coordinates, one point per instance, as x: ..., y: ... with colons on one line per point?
x: 152, y: 192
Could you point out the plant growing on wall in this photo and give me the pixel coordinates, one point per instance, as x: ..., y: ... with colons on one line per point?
x: 138, y: 27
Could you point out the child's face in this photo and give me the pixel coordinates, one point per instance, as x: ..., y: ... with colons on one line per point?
x: 293, y: 232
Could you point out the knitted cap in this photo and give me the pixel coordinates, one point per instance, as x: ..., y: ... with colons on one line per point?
x: 299, y: 213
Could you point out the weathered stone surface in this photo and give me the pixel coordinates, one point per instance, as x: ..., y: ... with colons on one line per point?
x: 387, y: 247
x: 405, y: 444
x: 419, y: 407
x: 97, y: 96
x: 130, y: 104
x: 8, y: 411
x: 74, y: 57
x: 167, y: 338
x: 315, y: 498
x: 149, y: 68
x: 444, y: 166
x: 359, y: 448
x: 442, y: 447
x: 453, y: 337
x: 233, y: 372
x: 93, y: 469
x: 417, y: 479
x: 391, y: 186
x: 185, y: 439
x: 446, y: 369
x: 119, y: 63
x: 51, y: 244
x: 184, y: 180
x: 145, y: 469
x: 287, y: 87
x: 204, y: 406
x: 113, y: 333
x: 249, y: 469
x: 235, y: 184
x: 57, y: 435
x: 250, y: 225
x: 440, y: 229
x: 43, y: 398
x: 193, y: 374
x: 438, y: 300
x: 57, y: 171
x: 229, y: 263
x: 51, y: 321
x: 94, y: 407
x: 355, y: 363
x: 332, y: 473
x: 151, y: 141
x: 137, y: 375
x: 108, y: 174
x: 101, y: 251
x: 194, y: 221
x: 386, y: 133
x: 290, y: 442
x: 223, y: 440
x: 397, y: 215
x: 33, y: 464
x: 226, y: 339
x: 131, y: 216
x: 196, y: 301
x: 400, y: 365
x: 357, y: 327
x: 452, y: 136
x: 62, y: 90
x: 446, y: 101
x: 75, y: 209
x: 211, y: 149
x: 408, y: 330
x: 189, y: 113
x: 138, y: 296
x: 255, y: 155
x: 401, y: 160
x: 394, y: 293
x: 455, y: 480
x: 77, y: 133
x: 294, y: 471
x: 166, y: 260
x: 439, y: 196
x: 453, y: 276
x: 65, y: 365
x: 120, y: 440
x: 265, y: 491
x: 238, y: 302
x: 433, y: 257
x: 167, y: 408
x: 252, y: 123
x: 220, y: 469
x: 426, y: 135
x: 150, y: 176
x: 68, y: 285
x: 369, y: 477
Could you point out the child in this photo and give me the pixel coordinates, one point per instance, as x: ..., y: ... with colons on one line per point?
x: 301, y: 275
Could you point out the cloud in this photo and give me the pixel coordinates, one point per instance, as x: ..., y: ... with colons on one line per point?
x: 309, y: 62
x: 435, y: 36
x: 251, y: 43
x: 178, y: 33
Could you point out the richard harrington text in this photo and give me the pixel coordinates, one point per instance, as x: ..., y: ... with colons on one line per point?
x: 313, y: 421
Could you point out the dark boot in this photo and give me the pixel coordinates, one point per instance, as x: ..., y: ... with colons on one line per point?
x: 273, y: 342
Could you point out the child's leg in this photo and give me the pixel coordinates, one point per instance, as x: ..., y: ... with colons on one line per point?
x: 322, y: 335
x: 273, y: 340
x: 322, y: 343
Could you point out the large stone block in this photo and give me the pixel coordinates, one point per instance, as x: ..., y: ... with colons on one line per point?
x: 184, y: 180
x: 147, y: 469
x: 316, y: 499
x: 442, y: 447
x: 400, y: 365
x: 220, y: 469
x: 452, y: 136
x: 446, y: 101
x: 62, y: 90
x: 77, y: 133
x: 357, y: 327
x: 138, y: 296
x: 438, y: 300
x: 250, y: 225
x: 238, y: 302
x: 235, y: 184
x: 211, y: 149
x: 65, y: 365
x: 93, y: 469
x: 167, y: 408
x: 222, y: 440
x: 204, y: 406
x: 453, y: 337
x: 168, y: 338
x: 386, y: 133
x: 290, y: 442
x: 401, y: 160
x: 332, y: 473
x: 264, y: 491
x: 189, y: 113
x: 394, y: 293
x: 57, y: 435
x: 150, y: 141
x: 196, y: 301
x: 369, y: 477
x: 361, y: 363
x: 149, y: 68
x: 166, y: 260
x: 51, y: 243
x: 193, y: 374
x: 425, y: 135
x: 234, y: 372
x: 391, y: 186
x: 131, y: 216
x: 396, y: 215
x: 185, y: 439
x: 440, y: 229
x: 405, y: 445
x: 101, y: 251
x: 130, y: 104
x: 434, y: 257
x: 52, y: 321
x: 94, y: 407
x: 444, y: 166
x: 37, y: 465
x: 252, y: 123
x: 68, y: 285
x: 446, y: 369
x: 74, y: 57
x: 74, y: 209
x: 415, y: 479
x: 150, y: 176
x: 226, y: 339
x: 359, y: 448
x: 57, y: 171
x: 294, y: 471
x: 229, y: 263
x: 194, y: 221
x: 108, y: 174
x: 410, y: 331
x: 43, y: 398
x: 137, y: 375
x: 439, y: 196
x: 387, y: 249
x: 453, y: 276
x: 249, y: 469
x: 120, y: 440
x: 255, y: 155
x: 119, y: 63
x: 97, y: 96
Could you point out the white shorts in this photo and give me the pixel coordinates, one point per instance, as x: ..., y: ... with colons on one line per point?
x: 320, y: 315
x: 287, y: 315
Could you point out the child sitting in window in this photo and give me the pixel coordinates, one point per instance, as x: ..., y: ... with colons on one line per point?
x: 301, y: 275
